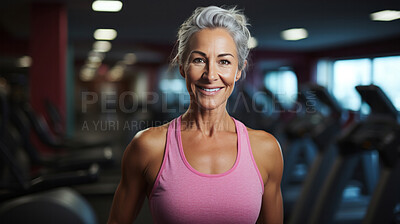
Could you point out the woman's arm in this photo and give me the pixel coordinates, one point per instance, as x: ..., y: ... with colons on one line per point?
x: 272, y: 205
x: 270, y: 163
x: 131, y: 191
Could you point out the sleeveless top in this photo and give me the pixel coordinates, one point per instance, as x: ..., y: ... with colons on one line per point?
x: 182, y: 194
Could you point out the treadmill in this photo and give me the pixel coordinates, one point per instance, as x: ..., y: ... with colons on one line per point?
x: 380, y: 131
x: 311, y: 135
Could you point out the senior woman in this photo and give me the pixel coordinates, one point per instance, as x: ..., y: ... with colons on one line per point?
x: 204, y: 166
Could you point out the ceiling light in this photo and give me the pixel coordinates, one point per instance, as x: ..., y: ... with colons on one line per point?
x: 252, y: 42
x: 105, y: 34
x: 93, y: 64
x: 294, y: 34
x: 87, y: 74
x: 107, y: 6
x: 129, y: 58
x: 94, y: 59
x: 96, y: 56
x: 24, y: 62
x: 101, y: 46
x: 385, y: 15
x: 116, y: 73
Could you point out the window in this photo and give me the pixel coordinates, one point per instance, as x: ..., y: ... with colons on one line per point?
x: 386, y: 74
x: 347, y: 74
x: 283, y: 84
x: 171, y: 81
x: 173, y: 87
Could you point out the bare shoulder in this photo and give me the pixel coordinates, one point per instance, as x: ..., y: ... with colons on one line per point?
x: 150, y: 138
x: 267, y: 152
x: 146, y: 145
x: 264, y: 141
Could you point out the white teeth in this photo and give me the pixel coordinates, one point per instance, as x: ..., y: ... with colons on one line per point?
x: 210, y: 90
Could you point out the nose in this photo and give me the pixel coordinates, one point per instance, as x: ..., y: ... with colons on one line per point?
x: 211, y: 72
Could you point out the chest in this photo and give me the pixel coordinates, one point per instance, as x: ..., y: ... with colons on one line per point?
x: 210, y: 155
x: 235, y: 201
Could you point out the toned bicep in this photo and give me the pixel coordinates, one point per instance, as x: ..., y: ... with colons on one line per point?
x: 272, y: 205
x: 131, y: 191
x: 126, y: 204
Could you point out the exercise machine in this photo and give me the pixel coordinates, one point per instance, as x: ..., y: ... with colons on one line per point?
x: 379, y: 131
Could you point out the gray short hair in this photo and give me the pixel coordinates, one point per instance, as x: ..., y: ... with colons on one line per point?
x: 233, y: 20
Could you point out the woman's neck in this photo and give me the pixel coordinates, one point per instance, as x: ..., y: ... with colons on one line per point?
x: 208, y: 122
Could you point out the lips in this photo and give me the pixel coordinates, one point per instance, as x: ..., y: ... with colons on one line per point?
x: 209, y: 90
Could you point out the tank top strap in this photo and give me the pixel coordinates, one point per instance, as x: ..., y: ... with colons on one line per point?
x: 170, y: 154
x: 173, y: 142
x: 242, y: 136
x: 247, y: 156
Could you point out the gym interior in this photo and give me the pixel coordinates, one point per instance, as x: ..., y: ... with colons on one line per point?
x: 78, y: 80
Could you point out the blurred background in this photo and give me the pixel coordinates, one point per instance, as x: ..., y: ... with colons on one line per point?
x: 78, y: 79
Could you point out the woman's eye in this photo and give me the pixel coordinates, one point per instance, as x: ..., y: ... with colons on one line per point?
x: 198, y: 60
x: 225, y: 62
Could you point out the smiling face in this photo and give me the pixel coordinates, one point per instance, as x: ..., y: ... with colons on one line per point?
x: 211, y: 68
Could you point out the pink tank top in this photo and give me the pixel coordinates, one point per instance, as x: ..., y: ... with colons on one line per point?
x: 181, y: 194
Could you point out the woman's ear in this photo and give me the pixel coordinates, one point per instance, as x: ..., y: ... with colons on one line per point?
x: 182, y: 71
x: 239, y: 73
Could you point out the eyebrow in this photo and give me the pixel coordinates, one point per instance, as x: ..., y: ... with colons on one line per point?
x: 204, y: 54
